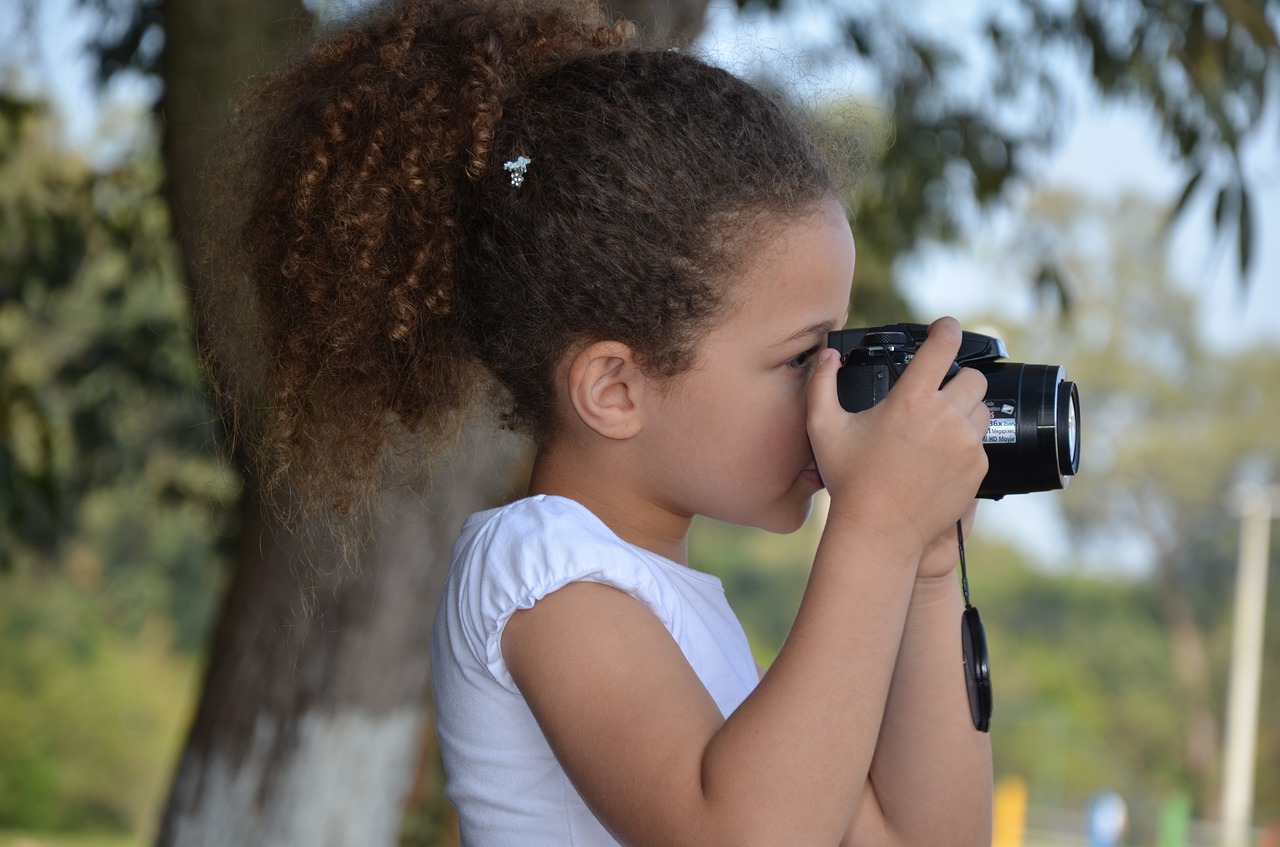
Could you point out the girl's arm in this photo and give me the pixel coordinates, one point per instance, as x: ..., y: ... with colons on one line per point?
x: 637, y: 732
x: 928, y: 747
x: 647, y: 748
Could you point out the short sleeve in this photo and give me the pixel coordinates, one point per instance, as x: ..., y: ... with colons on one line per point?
x: 523, y: 553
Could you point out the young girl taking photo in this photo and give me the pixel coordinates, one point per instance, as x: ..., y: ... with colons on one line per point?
x: 642, y: 255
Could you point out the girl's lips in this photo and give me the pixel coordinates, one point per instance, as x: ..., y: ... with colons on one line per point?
x: 812, y: 475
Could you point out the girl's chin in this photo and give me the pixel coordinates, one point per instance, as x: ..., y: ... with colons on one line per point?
x: 788, y: 521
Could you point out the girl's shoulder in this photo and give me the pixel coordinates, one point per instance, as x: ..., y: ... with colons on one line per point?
x: 538, y: 542
x: 519, y: 552
x: 540, y: 516
x: 548, y: 528
x: 510, y: 557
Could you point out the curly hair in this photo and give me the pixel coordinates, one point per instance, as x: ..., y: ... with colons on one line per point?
x: 394, y: 264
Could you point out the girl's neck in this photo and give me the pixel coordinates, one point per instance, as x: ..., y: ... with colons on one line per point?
x: 608, y: 491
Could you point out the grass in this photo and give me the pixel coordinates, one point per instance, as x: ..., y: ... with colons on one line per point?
x: 58, y: 839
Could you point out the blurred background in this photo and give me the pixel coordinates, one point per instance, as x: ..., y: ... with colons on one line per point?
x: 1097, y: 183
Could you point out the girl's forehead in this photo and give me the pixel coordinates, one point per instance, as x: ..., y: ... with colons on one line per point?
x: 805, y: 266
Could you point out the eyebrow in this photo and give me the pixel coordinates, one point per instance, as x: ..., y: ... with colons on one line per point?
x: 820, y: 329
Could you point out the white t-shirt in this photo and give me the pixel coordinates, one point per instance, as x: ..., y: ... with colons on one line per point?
x: 503, y: 778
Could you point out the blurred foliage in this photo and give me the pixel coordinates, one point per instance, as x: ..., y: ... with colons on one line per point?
x: 764, y: 575
x: 1181, y: 420
x: 1084, y: 669
x: 1172, y: 421
x: 974, y: 111
x: 90, y: 716
x: 1173, y: 418
x: 113, y: 510
x: 62, y: 839
x: 105, y: 438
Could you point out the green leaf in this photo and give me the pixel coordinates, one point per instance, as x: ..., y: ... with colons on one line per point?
x: 1183, y: 198
x: 1221, y: 206
x: 1244, y: 236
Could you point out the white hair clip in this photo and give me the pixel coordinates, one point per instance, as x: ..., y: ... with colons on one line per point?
x: 517, y: 169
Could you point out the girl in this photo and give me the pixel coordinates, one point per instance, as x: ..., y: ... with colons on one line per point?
x: 646, y: 254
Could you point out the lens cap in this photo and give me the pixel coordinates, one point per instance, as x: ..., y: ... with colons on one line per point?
x: 977, y: 668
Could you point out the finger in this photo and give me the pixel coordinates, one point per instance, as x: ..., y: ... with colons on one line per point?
x: 934, y: 357
x: 981, y: 418
x: 822, y: 385
x: 968, y: 386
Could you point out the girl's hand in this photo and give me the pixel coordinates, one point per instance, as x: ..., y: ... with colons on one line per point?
x: 913, y: 462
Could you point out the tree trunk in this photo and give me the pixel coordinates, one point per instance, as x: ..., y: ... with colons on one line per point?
x: 678, y: 21
x: 310, y: 725
x: 212, y: 48
x: 310, y: 720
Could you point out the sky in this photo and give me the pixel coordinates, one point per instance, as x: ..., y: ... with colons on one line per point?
x: 1109, y: 150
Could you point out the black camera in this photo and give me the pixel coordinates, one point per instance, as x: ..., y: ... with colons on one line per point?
x: 1033, y: 443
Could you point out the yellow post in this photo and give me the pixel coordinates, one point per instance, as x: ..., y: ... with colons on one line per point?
x: 1009, y: 826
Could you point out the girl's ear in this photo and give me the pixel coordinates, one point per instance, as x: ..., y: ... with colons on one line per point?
x: 606, y: 389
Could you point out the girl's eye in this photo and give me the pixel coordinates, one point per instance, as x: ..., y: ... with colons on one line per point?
x: 805, y: 360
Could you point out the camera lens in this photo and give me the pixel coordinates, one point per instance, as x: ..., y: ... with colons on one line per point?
x: 1033, y: 442
x: 1068, y: 427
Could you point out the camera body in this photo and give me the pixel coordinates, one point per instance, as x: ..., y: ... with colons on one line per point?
x: 1033, y: 443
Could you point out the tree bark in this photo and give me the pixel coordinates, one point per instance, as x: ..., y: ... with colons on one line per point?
x: 211, y: 51
x: 310, y: 724
x: 675, y: 21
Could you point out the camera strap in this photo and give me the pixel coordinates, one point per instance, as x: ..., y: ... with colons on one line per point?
x: 964, y: 574
x: 973, y: 644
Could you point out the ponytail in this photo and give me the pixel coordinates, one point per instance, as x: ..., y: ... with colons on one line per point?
x: 341, y: 177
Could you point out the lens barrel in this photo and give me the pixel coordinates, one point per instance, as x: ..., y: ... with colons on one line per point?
x: 1033, y: 443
